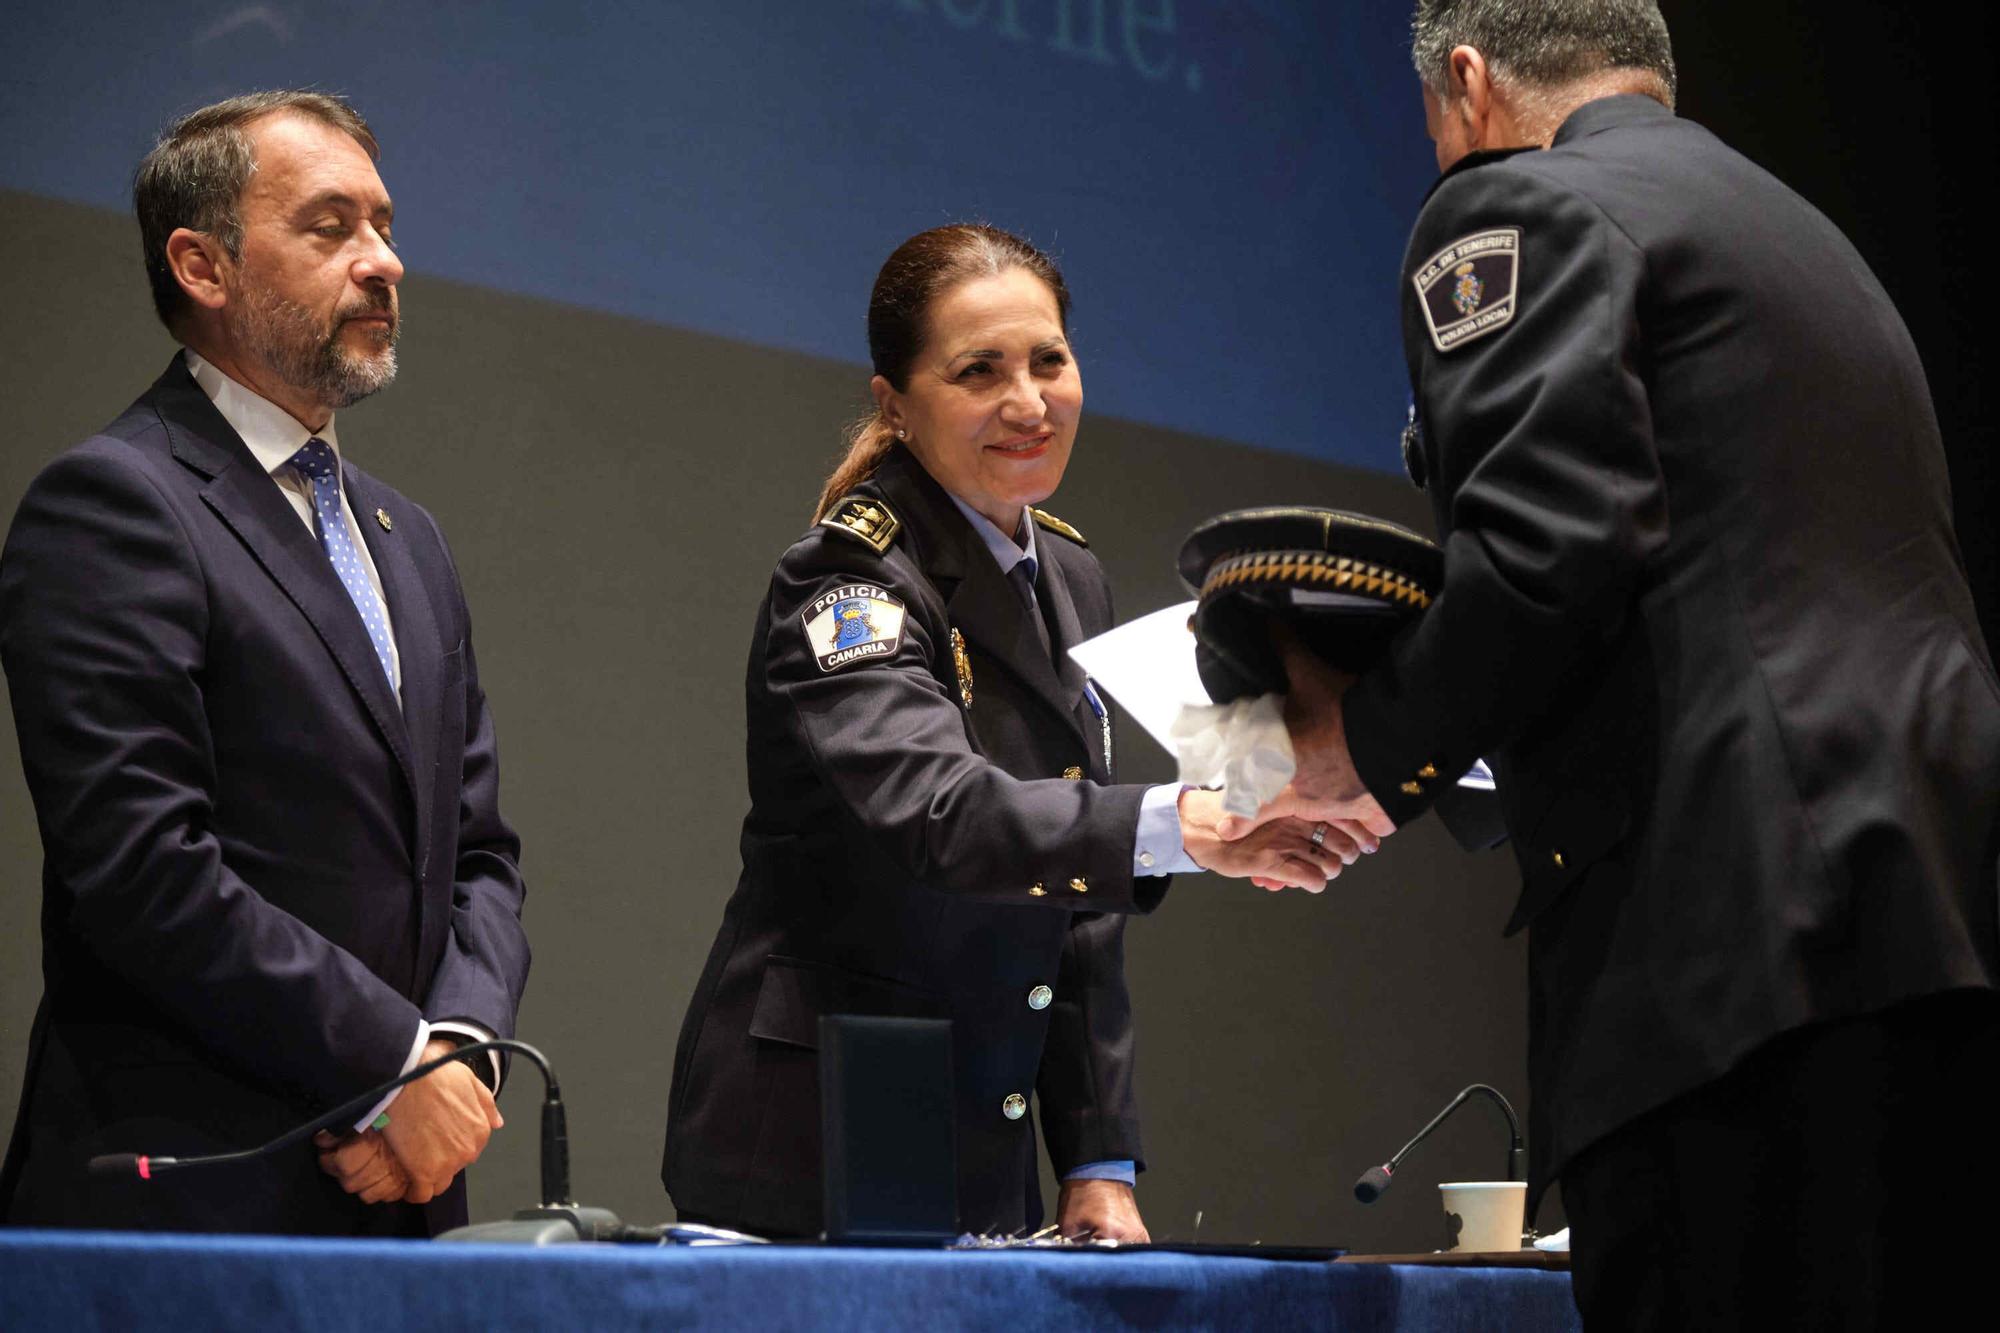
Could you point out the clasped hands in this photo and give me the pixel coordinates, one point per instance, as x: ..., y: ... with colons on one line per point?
x: 437, y: 1127
x: 1276, y: 848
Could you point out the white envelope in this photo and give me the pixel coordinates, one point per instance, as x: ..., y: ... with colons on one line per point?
x: 1147, y: 665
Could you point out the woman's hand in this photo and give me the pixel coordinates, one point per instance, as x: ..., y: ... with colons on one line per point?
x: 1100, y: 1210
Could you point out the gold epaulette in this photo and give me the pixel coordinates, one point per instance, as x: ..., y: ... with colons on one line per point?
x: 1054, y: 524
x: 866, y: 520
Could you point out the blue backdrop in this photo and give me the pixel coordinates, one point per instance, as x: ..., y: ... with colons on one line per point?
x: 1227, y: 183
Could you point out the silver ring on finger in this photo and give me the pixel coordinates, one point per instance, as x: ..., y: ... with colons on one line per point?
x: 1319, y: 834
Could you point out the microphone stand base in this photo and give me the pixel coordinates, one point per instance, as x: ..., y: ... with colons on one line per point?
x: 561, y: 1224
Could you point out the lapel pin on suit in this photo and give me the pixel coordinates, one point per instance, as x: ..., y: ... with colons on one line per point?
x: 964, y: 665
x: 382, y: 517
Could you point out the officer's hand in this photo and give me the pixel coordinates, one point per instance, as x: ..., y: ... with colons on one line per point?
x: 1325, y: 788
x: 1336, y: 830
x: 439, y: 1125
x: 1101, y: 1209
x: 1276, y: 854
x: 363, y: 1165
x: 1361, y: 821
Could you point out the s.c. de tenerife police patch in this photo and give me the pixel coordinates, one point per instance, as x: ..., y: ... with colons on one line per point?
x: 853, y: 623
x: 1467, y: 288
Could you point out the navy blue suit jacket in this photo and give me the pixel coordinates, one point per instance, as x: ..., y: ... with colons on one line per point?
x: 259, y: 870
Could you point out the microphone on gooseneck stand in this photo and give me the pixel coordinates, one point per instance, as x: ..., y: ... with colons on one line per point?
x: 557, y: 1219
x: 1375, y: 1180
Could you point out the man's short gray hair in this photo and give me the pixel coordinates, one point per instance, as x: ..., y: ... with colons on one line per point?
x: 1545, y: 43
x: 195, y: 175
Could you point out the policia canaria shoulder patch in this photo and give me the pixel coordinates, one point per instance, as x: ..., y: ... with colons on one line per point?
x: 1467, y: 288
x: 851, y: 623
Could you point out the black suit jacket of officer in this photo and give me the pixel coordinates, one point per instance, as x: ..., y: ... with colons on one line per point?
x: 906, y: 854
x: 1702, y: 606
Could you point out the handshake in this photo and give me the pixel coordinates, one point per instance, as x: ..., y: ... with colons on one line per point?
x: 1295, y: 599
x: 1320, y: 824
x: 437, y: 1126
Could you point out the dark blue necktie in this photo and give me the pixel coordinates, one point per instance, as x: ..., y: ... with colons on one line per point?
x: 1022, y: 576
x: 315, y: 461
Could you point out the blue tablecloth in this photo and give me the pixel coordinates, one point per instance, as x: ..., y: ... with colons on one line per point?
x: 131, y: 1283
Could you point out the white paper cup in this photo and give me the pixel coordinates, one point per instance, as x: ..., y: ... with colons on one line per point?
x: 1481, y: 1216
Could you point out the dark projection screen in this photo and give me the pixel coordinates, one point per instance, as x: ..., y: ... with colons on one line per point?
x: 1221, y: 177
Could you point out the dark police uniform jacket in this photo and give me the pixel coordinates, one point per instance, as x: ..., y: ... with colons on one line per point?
x: 912, y: 852
x: 258, y: 869
x: 1703, y: 608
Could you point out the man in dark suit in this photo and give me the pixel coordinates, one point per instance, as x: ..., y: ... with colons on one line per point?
x: 275, y: 871
x: 1704, y: 612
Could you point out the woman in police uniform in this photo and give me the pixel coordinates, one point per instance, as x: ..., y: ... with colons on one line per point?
x: 933, y: 828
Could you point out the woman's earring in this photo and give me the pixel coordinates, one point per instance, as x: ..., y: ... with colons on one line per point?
x: 902, y: 434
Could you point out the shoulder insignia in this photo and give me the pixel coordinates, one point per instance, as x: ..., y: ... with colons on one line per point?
x: 1467, y: 289
x: 1054, y: 524
x: 866, y: 520
x: 853, y: 622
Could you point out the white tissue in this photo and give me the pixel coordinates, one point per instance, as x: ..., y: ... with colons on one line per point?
x: 1241, y: 747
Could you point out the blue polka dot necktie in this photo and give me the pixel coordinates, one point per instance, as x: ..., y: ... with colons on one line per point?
x: 315, y: 461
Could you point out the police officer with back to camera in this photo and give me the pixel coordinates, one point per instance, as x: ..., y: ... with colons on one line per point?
x: 1704, y: 610
x: 934, y: 831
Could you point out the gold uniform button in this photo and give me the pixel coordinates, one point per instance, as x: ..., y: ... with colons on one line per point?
x: 1015, y: 1106
x: 1413, y: 789
x: 1080, y: 884
x: 1039, y: 997
x: 1557, y: 857
x: 1427, y: 772
x: 1073, y: 773
x: 1038, y: 891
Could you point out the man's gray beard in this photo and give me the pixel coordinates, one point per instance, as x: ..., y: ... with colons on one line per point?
x: 287, y: 337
